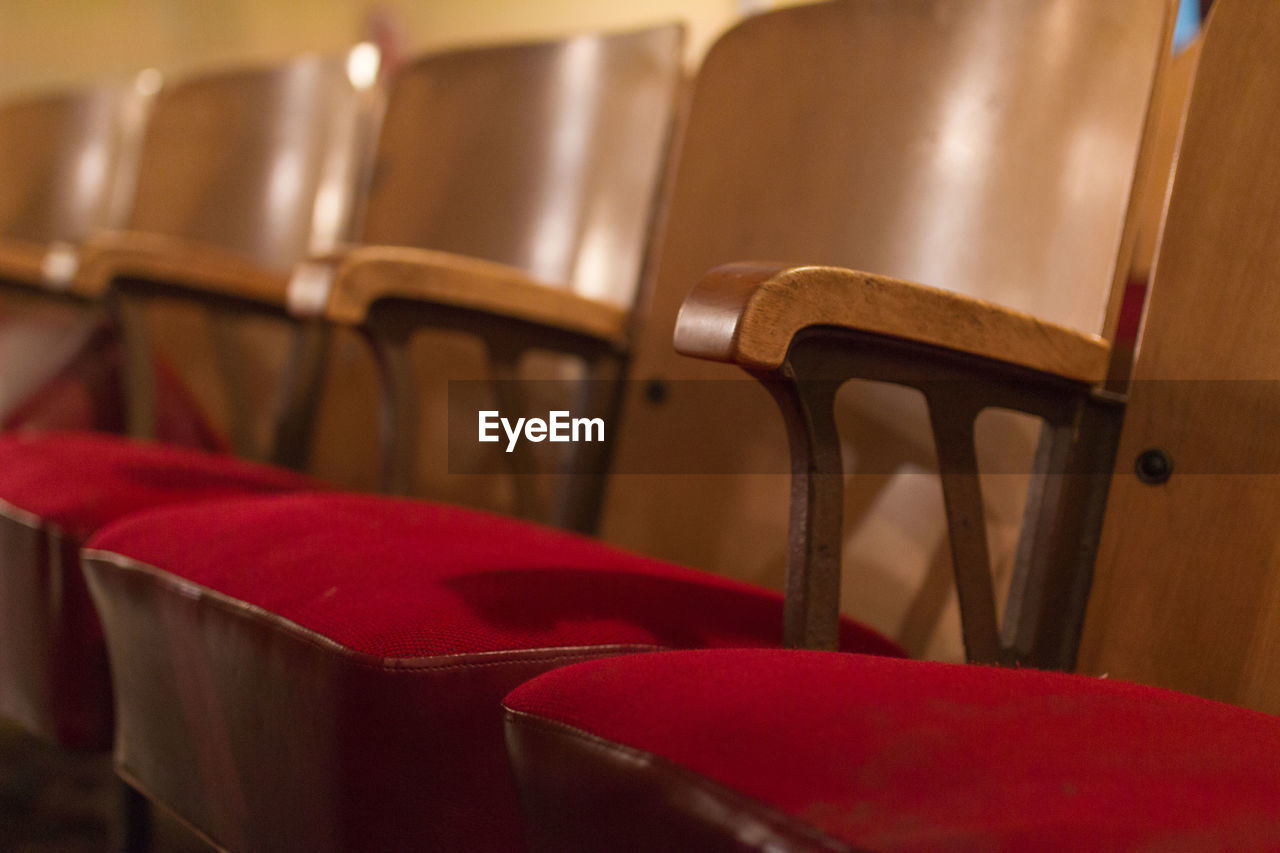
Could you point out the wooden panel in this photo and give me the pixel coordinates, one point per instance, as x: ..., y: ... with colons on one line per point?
x: 983, y: 146
x: 544, y: 157
x: 58, y: 159
x: 237, y: 159
x: 1187, y: 585
x: 243, y: 173
x: 540, y: 156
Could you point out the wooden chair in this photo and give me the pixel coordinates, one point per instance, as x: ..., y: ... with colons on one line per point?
x: 940, y: 206
x: 798, y: 750
x: 373, y: 638
x: 244, y: 173
x: 65, y: 164
x: 544, y: 155
x: 230, y: 180
x: 549, y: 173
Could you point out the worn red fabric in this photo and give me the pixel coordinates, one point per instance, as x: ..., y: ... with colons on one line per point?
x: 55, y: 490
x: 81, y: 481
x: 400, y: 578
x: 889, y: 754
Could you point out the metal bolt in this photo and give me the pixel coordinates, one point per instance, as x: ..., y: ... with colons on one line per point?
x: 1153, y: 466
x: 656, y: 391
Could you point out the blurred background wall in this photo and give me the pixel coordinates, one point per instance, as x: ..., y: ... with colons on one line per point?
x: 48, y: 43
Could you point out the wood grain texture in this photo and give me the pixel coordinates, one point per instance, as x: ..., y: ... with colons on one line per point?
x: 182, y: 264
x: 368, y: 274
x: 1187, y: 584
x: 983, y: 145
x: 748, y: 314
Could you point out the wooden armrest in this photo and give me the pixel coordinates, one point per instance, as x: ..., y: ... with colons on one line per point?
x: 174, y: 262
x: 44, y: 265
x: 364, y: 275
x: 748, y: 314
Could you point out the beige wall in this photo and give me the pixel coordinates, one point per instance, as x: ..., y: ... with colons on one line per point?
x: 50, y: 43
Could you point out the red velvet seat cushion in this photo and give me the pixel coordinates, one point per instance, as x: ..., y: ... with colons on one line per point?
x: 81, y: 481
x: 55, y: 490
x: 353, y: 652
x: 400, y: 578
x: 887, y: 754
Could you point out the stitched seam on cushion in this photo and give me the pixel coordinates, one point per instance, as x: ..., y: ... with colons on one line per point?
x: 734, y: 801
x: 442, y: 662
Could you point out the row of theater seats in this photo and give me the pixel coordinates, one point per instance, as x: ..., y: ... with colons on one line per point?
x: 291, y: 667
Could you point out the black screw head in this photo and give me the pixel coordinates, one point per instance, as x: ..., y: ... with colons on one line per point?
x: 1153, y: 466
x: 656, y: 391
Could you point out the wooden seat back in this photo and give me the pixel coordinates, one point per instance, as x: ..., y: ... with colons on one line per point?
x: 545, y: 156
x: 66, y: 165
x: 987, y: 147
x: 259, y: 162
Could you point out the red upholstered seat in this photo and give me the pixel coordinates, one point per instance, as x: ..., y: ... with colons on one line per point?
x: 55, y: 490
x: 326, y: 671
x: 770, y: 750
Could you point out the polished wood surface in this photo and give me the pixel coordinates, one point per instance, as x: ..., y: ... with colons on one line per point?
x: 175, y: 262
x: 253, y: 161
x: 1150, y: 194
x: 62, y: 163
x: 1187, y: 584
x: 370, y: 274
x: 22, y: 261
x: 985, y: 147
x: 749, y: 315
x: 542, y: 156
x: 242, y: 173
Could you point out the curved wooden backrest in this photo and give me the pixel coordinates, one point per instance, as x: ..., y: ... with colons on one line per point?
x: 984, y: 146
x: 63, y: 159
x: 1187, y: 583
x: 543, y: 156
x: 244, y: 160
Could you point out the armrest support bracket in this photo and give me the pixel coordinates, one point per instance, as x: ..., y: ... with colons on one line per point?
x: 957, y: 387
